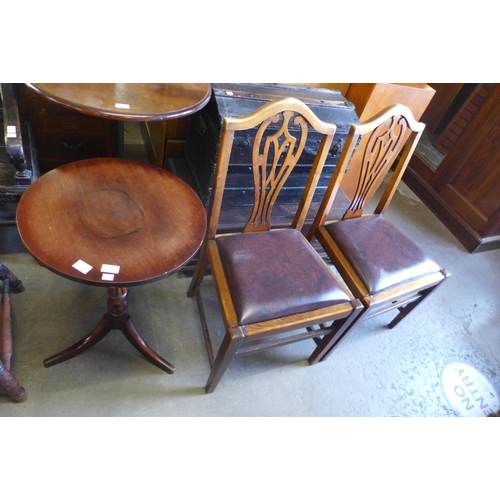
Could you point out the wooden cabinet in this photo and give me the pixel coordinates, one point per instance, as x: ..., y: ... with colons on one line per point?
x: 63, y: 135
x: 371, y: 98
x: 463, y: 186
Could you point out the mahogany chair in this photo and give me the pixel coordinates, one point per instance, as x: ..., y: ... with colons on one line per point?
x: 382, y: 266
x: 272, y: 286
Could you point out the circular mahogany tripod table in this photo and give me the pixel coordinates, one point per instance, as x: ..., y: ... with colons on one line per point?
x: 119, y: 217
x: 114, y: 223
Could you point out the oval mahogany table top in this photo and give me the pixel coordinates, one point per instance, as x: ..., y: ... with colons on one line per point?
x: 129, y: 101
x: 111, y: 211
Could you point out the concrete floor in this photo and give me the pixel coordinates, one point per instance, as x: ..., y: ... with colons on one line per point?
x: 375, y: 372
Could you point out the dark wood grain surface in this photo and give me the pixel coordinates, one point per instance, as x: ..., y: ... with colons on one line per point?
x: 111, y: 211
x: 129, y: 101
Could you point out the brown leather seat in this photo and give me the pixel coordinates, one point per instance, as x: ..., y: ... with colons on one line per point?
x: 295, y: 279
x: 381, y: 254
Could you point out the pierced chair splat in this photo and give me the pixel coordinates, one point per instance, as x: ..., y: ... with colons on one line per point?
x: 272, y: 286
x: 382, y: 266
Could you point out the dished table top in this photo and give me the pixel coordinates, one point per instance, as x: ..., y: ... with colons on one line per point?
x: 112, y: 212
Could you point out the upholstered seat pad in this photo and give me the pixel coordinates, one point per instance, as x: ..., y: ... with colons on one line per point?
x: 380, y: 254
x: 273, y: 274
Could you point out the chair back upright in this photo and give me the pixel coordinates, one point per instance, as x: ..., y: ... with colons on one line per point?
x: 386, y: 141
x: 275, y: 153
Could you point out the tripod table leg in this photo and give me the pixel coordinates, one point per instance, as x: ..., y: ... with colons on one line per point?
x: 117, y: 318
x: 97, y: 334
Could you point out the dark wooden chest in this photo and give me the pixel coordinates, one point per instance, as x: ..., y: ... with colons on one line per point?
x: 204, y: 130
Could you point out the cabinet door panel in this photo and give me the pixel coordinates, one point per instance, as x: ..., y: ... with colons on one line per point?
x: 472, y: 186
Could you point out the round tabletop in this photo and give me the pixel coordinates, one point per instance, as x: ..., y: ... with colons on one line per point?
x: 111, y: 222
x: 129, y: 101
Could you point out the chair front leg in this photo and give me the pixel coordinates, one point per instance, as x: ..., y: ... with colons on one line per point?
x: 339, y: 329
x: 227, y: 352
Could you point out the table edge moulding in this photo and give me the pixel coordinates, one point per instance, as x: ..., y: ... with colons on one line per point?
x: 130, y: 101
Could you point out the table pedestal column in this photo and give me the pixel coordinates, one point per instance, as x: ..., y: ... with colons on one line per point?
x: 117, y: 318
